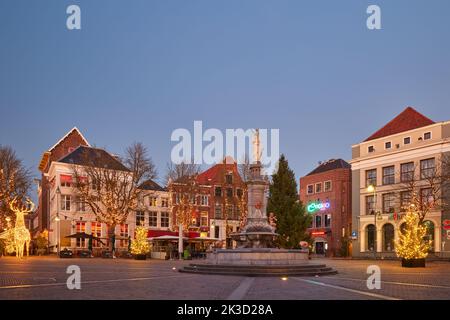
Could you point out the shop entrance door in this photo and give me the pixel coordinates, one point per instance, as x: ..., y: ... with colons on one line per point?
x: 320, y: 248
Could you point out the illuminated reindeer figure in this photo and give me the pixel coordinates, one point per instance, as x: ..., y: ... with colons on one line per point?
x: 21, y: 234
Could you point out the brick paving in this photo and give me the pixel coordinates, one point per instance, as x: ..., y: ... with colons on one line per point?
x: 45, y: 278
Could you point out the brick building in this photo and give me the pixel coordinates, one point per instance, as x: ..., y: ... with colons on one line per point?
x: 326, y: 193
x: 218, y: 200
x: 68, y: 143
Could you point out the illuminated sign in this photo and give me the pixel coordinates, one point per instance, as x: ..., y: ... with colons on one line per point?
x: 318, y: 233
x: 316, y: 206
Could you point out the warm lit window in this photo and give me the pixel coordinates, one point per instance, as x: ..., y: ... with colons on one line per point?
x: 81, y: 227
x: 96, y: 231
x: 327, y: 186
x: 124, y: 234
x: 153, y: 201
x: 140, y: 218
x: 204, y: 218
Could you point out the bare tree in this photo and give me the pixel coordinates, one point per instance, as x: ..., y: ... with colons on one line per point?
x: 426, y: 189
x: 15, y: 181
x: 112, y: 190
x: 185, y: 191
x: 177, y: 171
x: 244, y: 169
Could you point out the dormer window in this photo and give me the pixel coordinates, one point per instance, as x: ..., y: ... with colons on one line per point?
x: 427, y: 136
x: 371, y: 149
x: 407, y: 140
x: 388, y: 145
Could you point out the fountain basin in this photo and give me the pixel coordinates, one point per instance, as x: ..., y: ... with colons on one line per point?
x: 258, y: 257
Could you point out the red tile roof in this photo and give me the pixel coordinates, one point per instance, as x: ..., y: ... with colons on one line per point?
x: 214, y: 174
x: 409, y: 119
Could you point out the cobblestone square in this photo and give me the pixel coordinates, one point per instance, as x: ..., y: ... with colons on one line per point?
x: 46, y: 277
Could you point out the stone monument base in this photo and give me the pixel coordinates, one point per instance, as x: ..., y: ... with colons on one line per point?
x: 258, y: 257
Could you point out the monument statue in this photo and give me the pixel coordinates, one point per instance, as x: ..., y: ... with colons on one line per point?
x: 256, y: 253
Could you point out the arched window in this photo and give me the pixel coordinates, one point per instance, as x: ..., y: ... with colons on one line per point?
x: 370, y: 237
x: 430, y: 233
x: 388, y: 237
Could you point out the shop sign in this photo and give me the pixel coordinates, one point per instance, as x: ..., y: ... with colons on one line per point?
x: 354, y: 235
x: 316, y: 206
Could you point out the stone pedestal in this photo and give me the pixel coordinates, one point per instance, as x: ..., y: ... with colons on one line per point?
x: 258, y: 257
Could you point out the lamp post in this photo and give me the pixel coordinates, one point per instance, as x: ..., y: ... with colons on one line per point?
x: 372, y: 188
x: 58, y: 194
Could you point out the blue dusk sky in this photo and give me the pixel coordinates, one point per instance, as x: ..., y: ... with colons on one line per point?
x: 139, y: 69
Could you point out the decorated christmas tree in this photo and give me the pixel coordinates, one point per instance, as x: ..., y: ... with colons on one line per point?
x: 411, y: 243
x: 140, y: 244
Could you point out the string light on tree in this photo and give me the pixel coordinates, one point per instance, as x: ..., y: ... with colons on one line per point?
x: 140, y: 245
x: 411, y: 244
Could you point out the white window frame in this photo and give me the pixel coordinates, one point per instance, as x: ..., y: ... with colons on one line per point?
x: 150, y: 220
x: 385, y: 145
x: 368, y: 149
x: 431, y: 135
x: 63, y: 203
x: 321, y: 187
x: 410, y: 141
x: 331, y: 186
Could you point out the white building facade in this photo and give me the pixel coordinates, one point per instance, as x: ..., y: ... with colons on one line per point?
x: 409, y: 146
x: 69, y: 215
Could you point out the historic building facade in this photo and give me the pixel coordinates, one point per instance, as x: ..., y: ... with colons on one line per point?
x: 62, y: 213
x: 218, y: 200
x: 326, y: 194
x: 409, y: 147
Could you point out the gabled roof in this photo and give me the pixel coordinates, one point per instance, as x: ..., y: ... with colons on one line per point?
x: 74, y: 130
x: 151, y: 185
x: 329, y: 165
x: 84, y: 156
x: 409, y: 119
x: 214, y: 173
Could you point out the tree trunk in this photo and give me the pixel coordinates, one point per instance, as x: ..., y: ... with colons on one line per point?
x: 111, y: 237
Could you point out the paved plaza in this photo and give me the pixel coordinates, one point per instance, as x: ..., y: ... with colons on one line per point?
x: 45, y: 278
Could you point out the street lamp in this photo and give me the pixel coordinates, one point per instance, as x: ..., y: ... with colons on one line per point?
x: 58, y: 194
x: 372, y: 189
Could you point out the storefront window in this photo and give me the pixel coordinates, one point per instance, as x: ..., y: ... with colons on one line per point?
x: 370, y: 236
x: 388, y: 237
